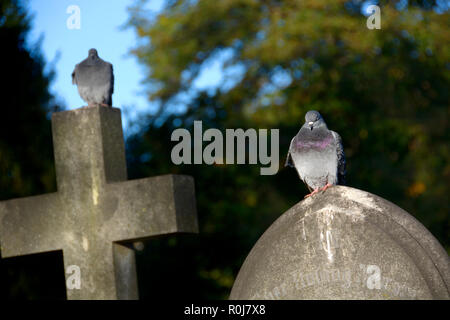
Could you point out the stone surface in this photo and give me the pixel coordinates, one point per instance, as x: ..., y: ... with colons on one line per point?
x: 96, y: 214
x: 345, y: 244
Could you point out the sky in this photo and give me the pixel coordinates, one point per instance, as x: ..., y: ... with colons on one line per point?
x: 101, y: 27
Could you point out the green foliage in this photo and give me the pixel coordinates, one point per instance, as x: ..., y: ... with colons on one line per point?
x: 26, y: 153
x: 385, y: 91
x: 25, y: 133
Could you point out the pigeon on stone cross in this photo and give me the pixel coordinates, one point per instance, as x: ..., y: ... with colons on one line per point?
x: 95, y: 80
x: 317, y: 154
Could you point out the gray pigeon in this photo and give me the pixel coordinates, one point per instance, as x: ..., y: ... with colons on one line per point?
x: 317, y: 154
x: 95, y: 80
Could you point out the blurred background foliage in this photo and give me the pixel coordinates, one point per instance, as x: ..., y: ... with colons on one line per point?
x: 385, y: 91
x: 26, y: 151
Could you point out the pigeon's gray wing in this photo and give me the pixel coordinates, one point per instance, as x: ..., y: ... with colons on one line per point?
x: 74, y: 79
x: 112, y: 79
x: 289, y: 162
x: 111, y: 84
x: 340, y: 158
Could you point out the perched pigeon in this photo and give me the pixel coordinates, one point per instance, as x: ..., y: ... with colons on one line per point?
x: 95, y: 80
x: 317, y: 154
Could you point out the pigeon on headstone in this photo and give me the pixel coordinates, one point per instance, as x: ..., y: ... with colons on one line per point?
x: 317, y: 154
x: 95, y: 80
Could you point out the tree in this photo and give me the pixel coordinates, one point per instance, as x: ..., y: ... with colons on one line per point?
x: 26, y: 153
x: 385, y: 91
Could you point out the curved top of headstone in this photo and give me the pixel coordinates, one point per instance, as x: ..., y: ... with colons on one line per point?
x: 345, y: 244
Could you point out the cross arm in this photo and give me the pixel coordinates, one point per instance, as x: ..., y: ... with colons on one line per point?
x: 142, y: 208
x: 30, y: 225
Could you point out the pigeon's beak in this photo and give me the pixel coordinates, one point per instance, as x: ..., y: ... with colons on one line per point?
x: 310, y: 124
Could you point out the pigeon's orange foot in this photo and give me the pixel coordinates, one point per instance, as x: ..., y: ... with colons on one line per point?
x: 326, y: 187
x: 105, y: 105
x: 312, y: 193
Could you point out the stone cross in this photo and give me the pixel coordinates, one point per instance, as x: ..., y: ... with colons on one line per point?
x: 345, y: 243
x: 96, y: 213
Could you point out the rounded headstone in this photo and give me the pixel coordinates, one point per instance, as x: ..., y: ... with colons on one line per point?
x: 345, y: 244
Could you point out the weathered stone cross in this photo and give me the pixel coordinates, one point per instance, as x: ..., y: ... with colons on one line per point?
x: 96, y: 211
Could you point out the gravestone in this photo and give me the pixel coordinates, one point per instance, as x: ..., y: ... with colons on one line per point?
x: 96, y: 214
x: 345, y: 243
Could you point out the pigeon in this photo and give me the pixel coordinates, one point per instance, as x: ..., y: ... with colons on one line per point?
x: 94, y: 78
x: 317, y: 154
